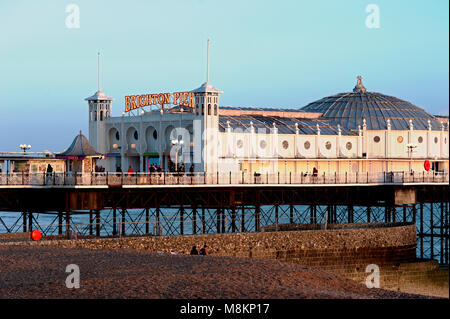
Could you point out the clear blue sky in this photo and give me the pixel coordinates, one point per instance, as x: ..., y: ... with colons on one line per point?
x: 263, y: 53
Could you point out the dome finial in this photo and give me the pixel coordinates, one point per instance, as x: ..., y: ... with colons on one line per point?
x: 359, y: 88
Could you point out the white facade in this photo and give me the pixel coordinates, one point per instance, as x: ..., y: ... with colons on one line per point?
x: 136, y: 141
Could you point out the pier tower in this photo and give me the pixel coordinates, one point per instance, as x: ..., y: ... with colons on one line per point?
x: 207, y: 113
x: 100, y: 109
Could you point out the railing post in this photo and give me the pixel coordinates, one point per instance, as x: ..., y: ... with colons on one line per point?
x: 324, y: 181
x: 301, y: 177
x: 290, y: 177
x: 367, y: 177
x: 230, y: 177
x: 345, y: 177
x: 335, y: 178
x: 242, y: 177
x: 278, y: 177
x: 403, y: 177
x: 204, y: 178
x: 217, y: 178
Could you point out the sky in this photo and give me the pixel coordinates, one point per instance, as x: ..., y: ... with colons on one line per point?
x: 282, y: 54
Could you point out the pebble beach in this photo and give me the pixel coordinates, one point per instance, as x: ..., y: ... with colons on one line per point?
x: 39, y: 272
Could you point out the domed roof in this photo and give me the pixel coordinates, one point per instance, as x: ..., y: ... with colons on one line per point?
x: 351, y: 108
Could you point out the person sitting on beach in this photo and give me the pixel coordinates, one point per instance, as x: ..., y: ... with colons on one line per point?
x: 204, y: 250
x: 194, y: 250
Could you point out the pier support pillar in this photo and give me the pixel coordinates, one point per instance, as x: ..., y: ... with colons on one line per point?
x: 114, y: 231
x: 67, y: 225
x: 194, y: 220
x: 24, y: 222
x: 218, y: 215
x: 97, y: 223
x: 60, y: 221
x: 257, y: 218
x: 203, y: 220
x: 233, y: 219
x: 91, y: 223
x: 158, y: 229
x: 291, y: 214
x: 123, y: 222
x: 276, y: 217
x: 147, y: 221
x: 181, y: 220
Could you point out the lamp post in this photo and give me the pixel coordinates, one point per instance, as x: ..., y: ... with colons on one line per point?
x: 24, y: 147
x: 411, y: 148
x: 160, y: 137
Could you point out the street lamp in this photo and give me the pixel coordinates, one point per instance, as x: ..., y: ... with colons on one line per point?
x: 24, y: 147
x: 411, y: 148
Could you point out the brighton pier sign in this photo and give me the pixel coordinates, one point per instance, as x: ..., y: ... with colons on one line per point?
x: 133, y: 102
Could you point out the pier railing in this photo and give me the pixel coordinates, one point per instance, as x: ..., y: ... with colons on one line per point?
x: 230, y: 178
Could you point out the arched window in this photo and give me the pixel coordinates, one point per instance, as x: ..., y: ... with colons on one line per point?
x: 95, y: 116
x: 215, y: 109
x: 203, y: 109
x: 101, y: 115
x: 209, y: 109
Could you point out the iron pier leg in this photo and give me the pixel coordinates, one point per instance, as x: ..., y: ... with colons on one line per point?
x: 24, y: 222
x: 223, y: 220
x: 194, y: 220
x: 30, y: 222
x: 181, y: 220
x: 233, y: 219
x: 243, y: 219
x: 203, y: 220
x: 114, y: 222
x: 291, y: 214
x: 431, y: 231
x: 91, y: 223
x: 97, y: 223
x: 257, y: 218
x: 60, y: 221
x: 67, y: 225
x: 421, y: 230
x: 158, y: 226
x: 218, y: 220
x: 147, y: 221
x: 123, y: 222
x: 441, y: 239
x: 276, y: 217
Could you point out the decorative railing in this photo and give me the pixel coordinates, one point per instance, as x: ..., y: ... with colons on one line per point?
x: 165, y: 178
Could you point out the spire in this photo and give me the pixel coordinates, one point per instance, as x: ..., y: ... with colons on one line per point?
x: 207, y: 63
x: 98, y: 69
x: 359, y: 88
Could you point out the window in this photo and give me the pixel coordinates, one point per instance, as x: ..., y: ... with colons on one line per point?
x: 436, y: 140
x: 155, y: 135
x: 135, y: 135
x: 95, y: 116
x: 240, y: 143
x: 285, y: 145
x: 376, y: 139
x: 420, y: 139
x: 203, y: 109
x: 307, y: 145
x: 328, y: 145
x: 209, y: 109
x: 215, y: 109
x: 101, y: 115
x: 117, y: 136
x: 349, y: 145
x: 400, y: 139
x: 262, y: 144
